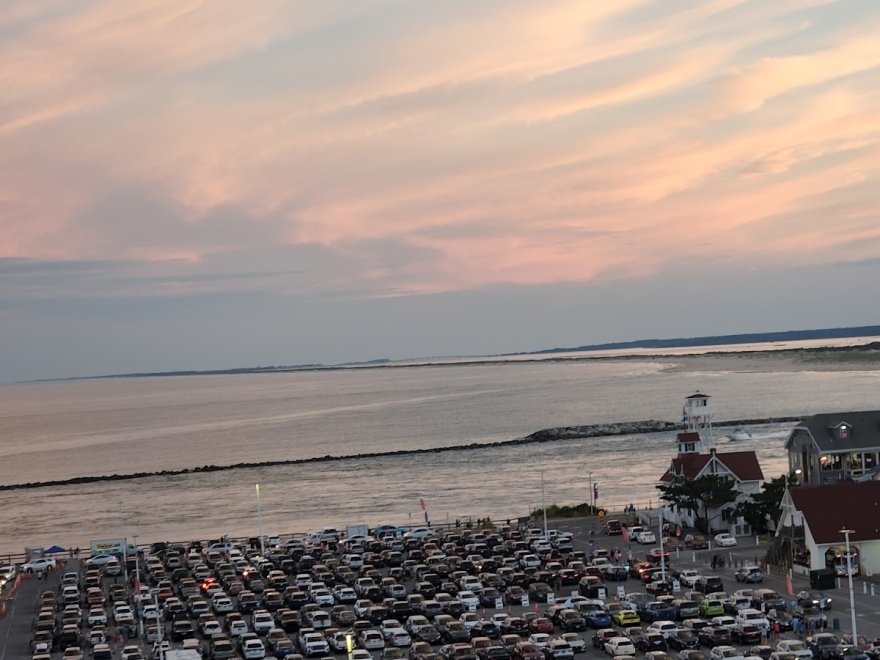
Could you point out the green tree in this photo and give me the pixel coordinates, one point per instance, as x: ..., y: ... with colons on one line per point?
x: 700, y: 495
x: 766, y: 505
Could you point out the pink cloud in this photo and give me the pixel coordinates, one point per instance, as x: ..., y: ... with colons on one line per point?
x: 491, y: 141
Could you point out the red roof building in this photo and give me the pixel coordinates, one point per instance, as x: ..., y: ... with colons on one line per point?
x: 824, y: 511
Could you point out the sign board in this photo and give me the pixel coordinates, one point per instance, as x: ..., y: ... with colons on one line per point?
x: 676, y: 586
x: 525, y: 600
x: 472, y: 607
x: 107, y: 546
x: 601, y: 514
x: 499, y: 604
x: 551, y: 598
x: 621, y: 592
x: 602, y: 593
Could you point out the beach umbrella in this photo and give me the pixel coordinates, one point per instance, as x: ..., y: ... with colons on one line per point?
x: 54, y: 550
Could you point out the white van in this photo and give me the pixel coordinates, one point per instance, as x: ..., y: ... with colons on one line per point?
x: 225, y: 546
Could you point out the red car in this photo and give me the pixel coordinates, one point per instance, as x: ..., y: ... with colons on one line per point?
x: 527, y: 651
x: 541, y: 625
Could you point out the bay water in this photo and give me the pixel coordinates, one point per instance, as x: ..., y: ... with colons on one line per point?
x: 59, y: 430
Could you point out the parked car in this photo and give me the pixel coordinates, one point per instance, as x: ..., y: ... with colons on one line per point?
x: 725, y: 540
x: 813, y: 598
x: 696, y: 542
x: 749, y: 575
x: 620, y: 646
x: 825, y: 646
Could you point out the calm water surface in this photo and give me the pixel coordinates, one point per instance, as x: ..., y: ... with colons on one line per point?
x: 65, y: 429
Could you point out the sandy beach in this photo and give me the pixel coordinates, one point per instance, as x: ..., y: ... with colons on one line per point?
x: 768, y: 361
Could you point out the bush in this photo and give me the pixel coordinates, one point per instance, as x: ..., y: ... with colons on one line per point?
x: 566, y: 511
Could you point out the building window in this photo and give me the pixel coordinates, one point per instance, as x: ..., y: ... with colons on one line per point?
x: 854, y: 462
x: 830, y: 463
x: 870, y: 460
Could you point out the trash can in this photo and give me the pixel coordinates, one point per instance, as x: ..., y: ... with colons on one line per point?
x: 822, y: 578
x: 835, y: 624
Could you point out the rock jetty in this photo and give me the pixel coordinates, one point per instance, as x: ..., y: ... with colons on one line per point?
x: 546, y: 435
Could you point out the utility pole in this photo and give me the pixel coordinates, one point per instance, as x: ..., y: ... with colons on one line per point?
x: 852, y: 598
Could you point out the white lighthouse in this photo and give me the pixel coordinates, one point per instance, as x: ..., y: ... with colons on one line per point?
x: 697, y: 417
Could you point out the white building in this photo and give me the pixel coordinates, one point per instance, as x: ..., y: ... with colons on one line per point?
x: 697, y: 457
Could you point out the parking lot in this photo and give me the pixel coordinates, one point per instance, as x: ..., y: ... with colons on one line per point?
x: 462, y: 594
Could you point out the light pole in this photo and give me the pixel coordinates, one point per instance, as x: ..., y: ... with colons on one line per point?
x: 124, y: 549
x: 852, y: 598
x: 137, y: 592
x: 662, y: 557
x: 592, y: 494
x: 260, y: 520
x: 543, y: 504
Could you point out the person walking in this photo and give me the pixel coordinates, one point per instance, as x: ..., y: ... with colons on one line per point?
x: 714, y: 562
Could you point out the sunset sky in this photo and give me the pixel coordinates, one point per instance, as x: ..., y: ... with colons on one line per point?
x: 219, y: 183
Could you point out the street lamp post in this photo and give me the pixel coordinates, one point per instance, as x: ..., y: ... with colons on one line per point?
x: 543, y: 504
x: 852, y: 598
x: 137, y: 593
x: 592, y: 501
x: 260, y: 520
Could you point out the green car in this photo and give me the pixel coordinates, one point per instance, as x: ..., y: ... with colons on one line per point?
x: 711, y: 607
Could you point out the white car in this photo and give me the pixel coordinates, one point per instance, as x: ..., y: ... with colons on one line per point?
x: 416, y: 622
x: 468, y: 599
x: 345, y: 595
x: 38, y: 564
x: 469, y: 619
x: 575, y: 641
x: 388, y: 626
x: 689, y: 576
x: 151, y: 612
x: 725, y: 653
x: 724, y: 622
x: 620, y: 646
x: 221, y: 604
x: 725, y: 540
x: 541, y: 640
x: 211, y: 627
x: 662, y: 627
x: 97, y: 617
x: 100, y: 560
x: 253, y: 649
x: 371, y: 640
x: 399, y: 638
x: 750, y: 616
x: 794, y: 646
x: 469, y: 583
x: 419, y: 533
x: 237, y: 627
x: 262, y: 622
x: 646, y: 537
x: 322, y: 597
x: 123, y: 614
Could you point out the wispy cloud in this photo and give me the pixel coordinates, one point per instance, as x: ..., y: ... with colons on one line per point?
x: 403, y: 147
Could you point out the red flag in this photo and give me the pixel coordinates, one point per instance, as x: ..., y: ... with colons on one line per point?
x: 625, y: 533
x: 422, y: 504
x: 788, y: 587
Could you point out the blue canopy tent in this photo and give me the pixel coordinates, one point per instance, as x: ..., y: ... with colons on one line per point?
x: 54, y: 550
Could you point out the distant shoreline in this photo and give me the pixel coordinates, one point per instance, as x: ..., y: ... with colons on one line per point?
x: 864, y: 357
x: 545, y: 435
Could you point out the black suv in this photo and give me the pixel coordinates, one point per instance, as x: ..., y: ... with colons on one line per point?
x: 708, y: 584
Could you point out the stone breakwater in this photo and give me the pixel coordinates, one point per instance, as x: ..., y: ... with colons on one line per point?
x: 546, y: 435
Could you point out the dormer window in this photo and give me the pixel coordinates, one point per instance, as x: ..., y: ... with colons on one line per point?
x: 842, y: 430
